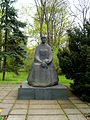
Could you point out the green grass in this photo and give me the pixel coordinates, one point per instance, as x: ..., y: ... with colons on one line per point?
x: 13, y: 78
x: 63, y: 80
x: 17, y: 79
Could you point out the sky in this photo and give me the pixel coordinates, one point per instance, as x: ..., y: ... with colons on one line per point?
x: 31, y: 9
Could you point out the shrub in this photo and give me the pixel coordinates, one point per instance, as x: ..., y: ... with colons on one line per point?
x: 75, y: 60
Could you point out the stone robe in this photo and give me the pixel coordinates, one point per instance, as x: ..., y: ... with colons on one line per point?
x: 42, y: 76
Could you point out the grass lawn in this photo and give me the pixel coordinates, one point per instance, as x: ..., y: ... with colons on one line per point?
x: 17, y: 79
x: 63, y: 80
x: 13, y: 78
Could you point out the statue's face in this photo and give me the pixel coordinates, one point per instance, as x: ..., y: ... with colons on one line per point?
x: 43, y: 40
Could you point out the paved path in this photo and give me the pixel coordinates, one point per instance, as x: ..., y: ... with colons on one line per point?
x: 13, y: 109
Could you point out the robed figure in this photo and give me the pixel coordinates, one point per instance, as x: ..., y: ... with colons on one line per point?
x: 43, y: 73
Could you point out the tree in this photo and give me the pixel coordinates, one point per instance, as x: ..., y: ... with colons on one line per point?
x: 81, y: 12
x: 75, y: 60
x: 14, y: 38
x: 56, y: 20
x: 0, y: 42
x: 30, y: 58
x: 40, y: 5
x: 50, y: 20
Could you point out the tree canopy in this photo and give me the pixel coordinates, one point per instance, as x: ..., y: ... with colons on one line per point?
x: 13, y: 38
x: 75, y: 60
x: 50, y: 20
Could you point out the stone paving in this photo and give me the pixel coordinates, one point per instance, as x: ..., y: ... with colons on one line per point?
x: 13, y: 109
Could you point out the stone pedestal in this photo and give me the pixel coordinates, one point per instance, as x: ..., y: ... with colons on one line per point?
x: 58, y: 92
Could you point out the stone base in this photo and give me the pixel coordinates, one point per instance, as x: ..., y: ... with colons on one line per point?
x: 58, y: 92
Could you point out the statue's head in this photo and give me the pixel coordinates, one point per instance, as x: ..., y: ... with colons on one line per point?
x: 43, y: 40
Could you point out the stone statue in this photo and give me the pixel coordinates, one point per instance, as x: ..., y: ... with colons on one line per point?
x: 43, y: 73
x: 42, y: 82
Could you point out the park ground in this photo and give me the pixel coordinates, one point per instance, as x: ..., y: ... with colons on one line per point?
x: 13, y: 109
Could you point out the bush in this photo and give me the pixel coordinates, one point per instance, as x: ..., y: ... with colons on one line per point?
x: 29, y: 60
x: 75, y: 61
x: 55, y: 60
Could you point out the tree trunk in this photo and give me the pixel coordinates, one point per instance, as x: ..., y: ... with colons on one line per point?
x: 17, y: 72
x: 1, y: 41
x: 51, y: 35
x: 4, y: 65
x: 48, y: 40
x: 4, y: 68
x: 41, y: 18
x: 0, y: 48
x: 55, y: 34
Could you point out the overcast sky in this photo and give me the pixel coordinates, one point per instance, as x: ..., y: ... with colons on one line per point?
x: 31, y: 9
x: 31, y: 5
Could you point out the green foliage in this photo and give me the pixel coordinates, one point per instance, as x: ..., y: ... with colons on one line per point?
x: 55, y: 60
x: 75, y: 60
x: 64, y: 80
x: 29, y: 60
x: 0, y: 38
x: 35, y: 30
x: 54, y: 22
x: 14, y: 41
x: 13, y: 78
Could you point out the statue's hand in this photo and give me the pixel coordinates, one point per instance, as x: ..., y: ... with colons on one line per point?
x: 43, y: 64
x: 46, y: 61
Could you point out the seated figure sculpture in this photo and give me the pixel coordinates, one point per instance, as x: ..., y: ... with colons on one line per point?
x: 43, y: 73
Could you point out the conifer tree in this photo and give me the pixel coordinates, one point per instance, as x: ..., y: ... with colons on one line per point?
x: 75, y: 60
x: 14, y: 38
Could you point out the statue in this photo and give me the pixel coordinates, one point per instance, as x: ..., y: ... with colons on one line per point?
x: 42, y: 82
x: 43, y: 73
